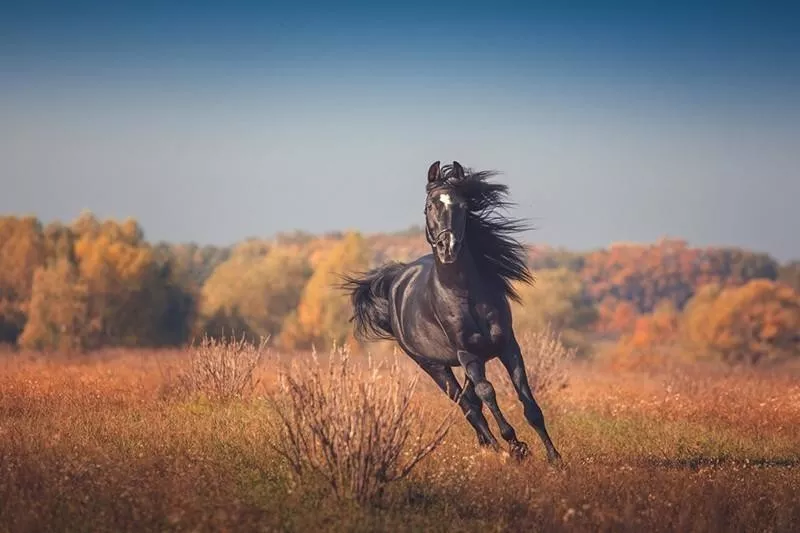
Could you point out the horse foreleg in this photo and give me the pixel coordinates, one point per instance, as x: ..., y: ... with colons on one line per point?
x: 475, y: 368
x: 512, y: 361
x: 470, y: 404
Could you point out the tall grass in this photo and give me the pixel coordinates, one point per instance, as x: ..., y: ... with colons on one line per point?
x: 221, y: 369
x: 87, y: 444
x: 356, y: 429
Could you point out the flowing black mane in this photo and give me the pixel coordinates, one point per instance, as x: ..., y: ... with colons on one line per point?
x: 498, y: 256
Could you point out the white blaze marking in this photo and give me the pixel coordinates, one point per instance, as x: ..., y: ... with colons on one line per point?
x: 445, y: 199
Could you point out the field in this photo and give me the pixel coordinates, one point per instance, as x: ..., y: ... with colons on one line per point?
x: 103, y: 443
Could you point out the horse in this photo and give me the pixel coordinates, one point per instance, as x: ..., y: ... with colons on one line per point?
x: 451, y: 307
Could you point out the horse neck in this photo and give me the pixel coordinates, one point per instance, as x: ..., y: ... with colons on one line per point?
x: 458, y: 275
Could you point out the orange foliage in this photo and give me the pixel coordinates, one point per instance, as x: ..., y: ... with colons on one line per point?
x: 754, y: 322
x: 615, y: 316
x: 650, y: 340
x: 644, y: 275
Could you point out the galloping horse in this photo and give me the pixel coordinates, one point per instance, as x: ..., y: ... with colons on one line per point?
x: 451, y: 307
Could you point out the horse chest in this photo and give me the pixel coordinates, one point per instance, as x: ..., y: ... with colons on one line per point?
x: 486, y: 331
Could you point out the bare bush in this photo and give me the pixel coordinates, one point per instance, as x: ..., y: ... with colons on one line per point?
x: 546, y: 362
x: 221, y: 369
x: 357, y: 429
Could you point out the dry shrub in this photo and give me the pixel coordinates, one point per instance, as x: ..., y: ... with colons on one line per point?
x: 546, y: 362
x: 356, y: 429
x: 221, y: 369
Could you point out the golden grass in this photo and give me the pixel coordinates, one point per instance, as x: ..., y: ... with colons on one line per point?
x: 93, y: 444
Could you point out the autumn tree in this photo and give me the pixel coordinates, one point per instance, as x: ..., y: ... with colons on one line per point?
x: 322, y: 317
x: 545, y: 258
x: 652, y: 338
x: 253, y: 294
x: 179, y: 313
x: 669, y: 269
x: 615, y: 316
x: 59, y: 243
x: 191, y: 264
x: 127, y: 287
x: 736, y: 266
x: 22, y: 251
x: 398, y: 247
x: 755, y: 322
x: 59, y: 308
x: 556, y: 298
x: 790, y: 274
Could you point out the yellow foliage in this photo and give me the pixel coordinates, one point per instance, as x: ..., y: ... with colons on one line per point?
x: 22, y: 251
x: 322, y: 317
x: 58, y: 312
x: 554, y: 300
x: 254, y: 293
x: 127, y: 296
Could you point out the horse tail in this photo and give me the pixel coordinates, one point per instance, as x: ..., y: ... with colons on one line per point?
x: 369, y: 294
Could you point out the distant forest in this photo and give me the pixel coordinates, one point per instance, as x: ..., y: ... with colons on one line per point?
x: 99, y: 283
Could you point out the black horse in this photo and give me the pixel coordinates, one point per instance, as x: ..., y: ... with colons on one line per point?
x: 451, y: 308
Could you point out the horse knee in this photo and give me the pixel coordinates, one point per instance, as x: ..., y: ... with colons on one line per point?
x: 485, y: 391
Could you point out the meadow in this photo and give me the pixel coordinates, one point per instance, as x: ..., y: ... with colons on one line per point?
x: 111, y: 441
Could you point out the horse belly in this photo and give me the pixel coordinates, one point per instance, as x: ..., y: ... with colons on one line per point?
x: 426, y: 340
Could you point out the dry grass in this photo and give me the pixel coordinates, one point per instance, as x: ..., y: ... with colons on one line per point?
x: 219, y: 368
x: 357, y: 429
x: 88, y: 444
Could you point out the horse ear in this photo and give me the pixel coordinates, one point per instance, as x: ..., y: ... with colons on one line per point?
x: 458, y: 170
x: 434, y: 172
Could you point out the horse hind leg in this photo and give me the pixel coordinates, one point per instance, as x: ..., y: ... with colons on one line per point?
x: 466, y: 398
x: 475, y: 368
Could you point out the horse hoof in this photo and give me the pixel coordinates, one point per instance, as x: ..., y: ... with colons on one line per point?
x: 484, y: 443
x: 486, y: 446
x: 519, y: 450
x: 555, y: 460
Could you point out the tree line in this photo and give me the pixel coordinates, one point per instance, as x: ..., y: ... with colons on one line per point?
x: 92, y: 283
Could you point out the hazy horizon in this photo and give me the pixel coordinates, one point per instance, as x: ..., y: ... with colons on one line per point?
x: 220, y: 123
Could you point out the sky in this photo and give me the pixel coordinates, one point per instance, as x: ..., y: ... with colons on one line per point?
x: 213, y: 123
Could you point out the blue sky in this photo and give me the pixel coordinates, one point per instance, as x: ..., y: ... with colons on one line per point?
x: 213, y: 123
